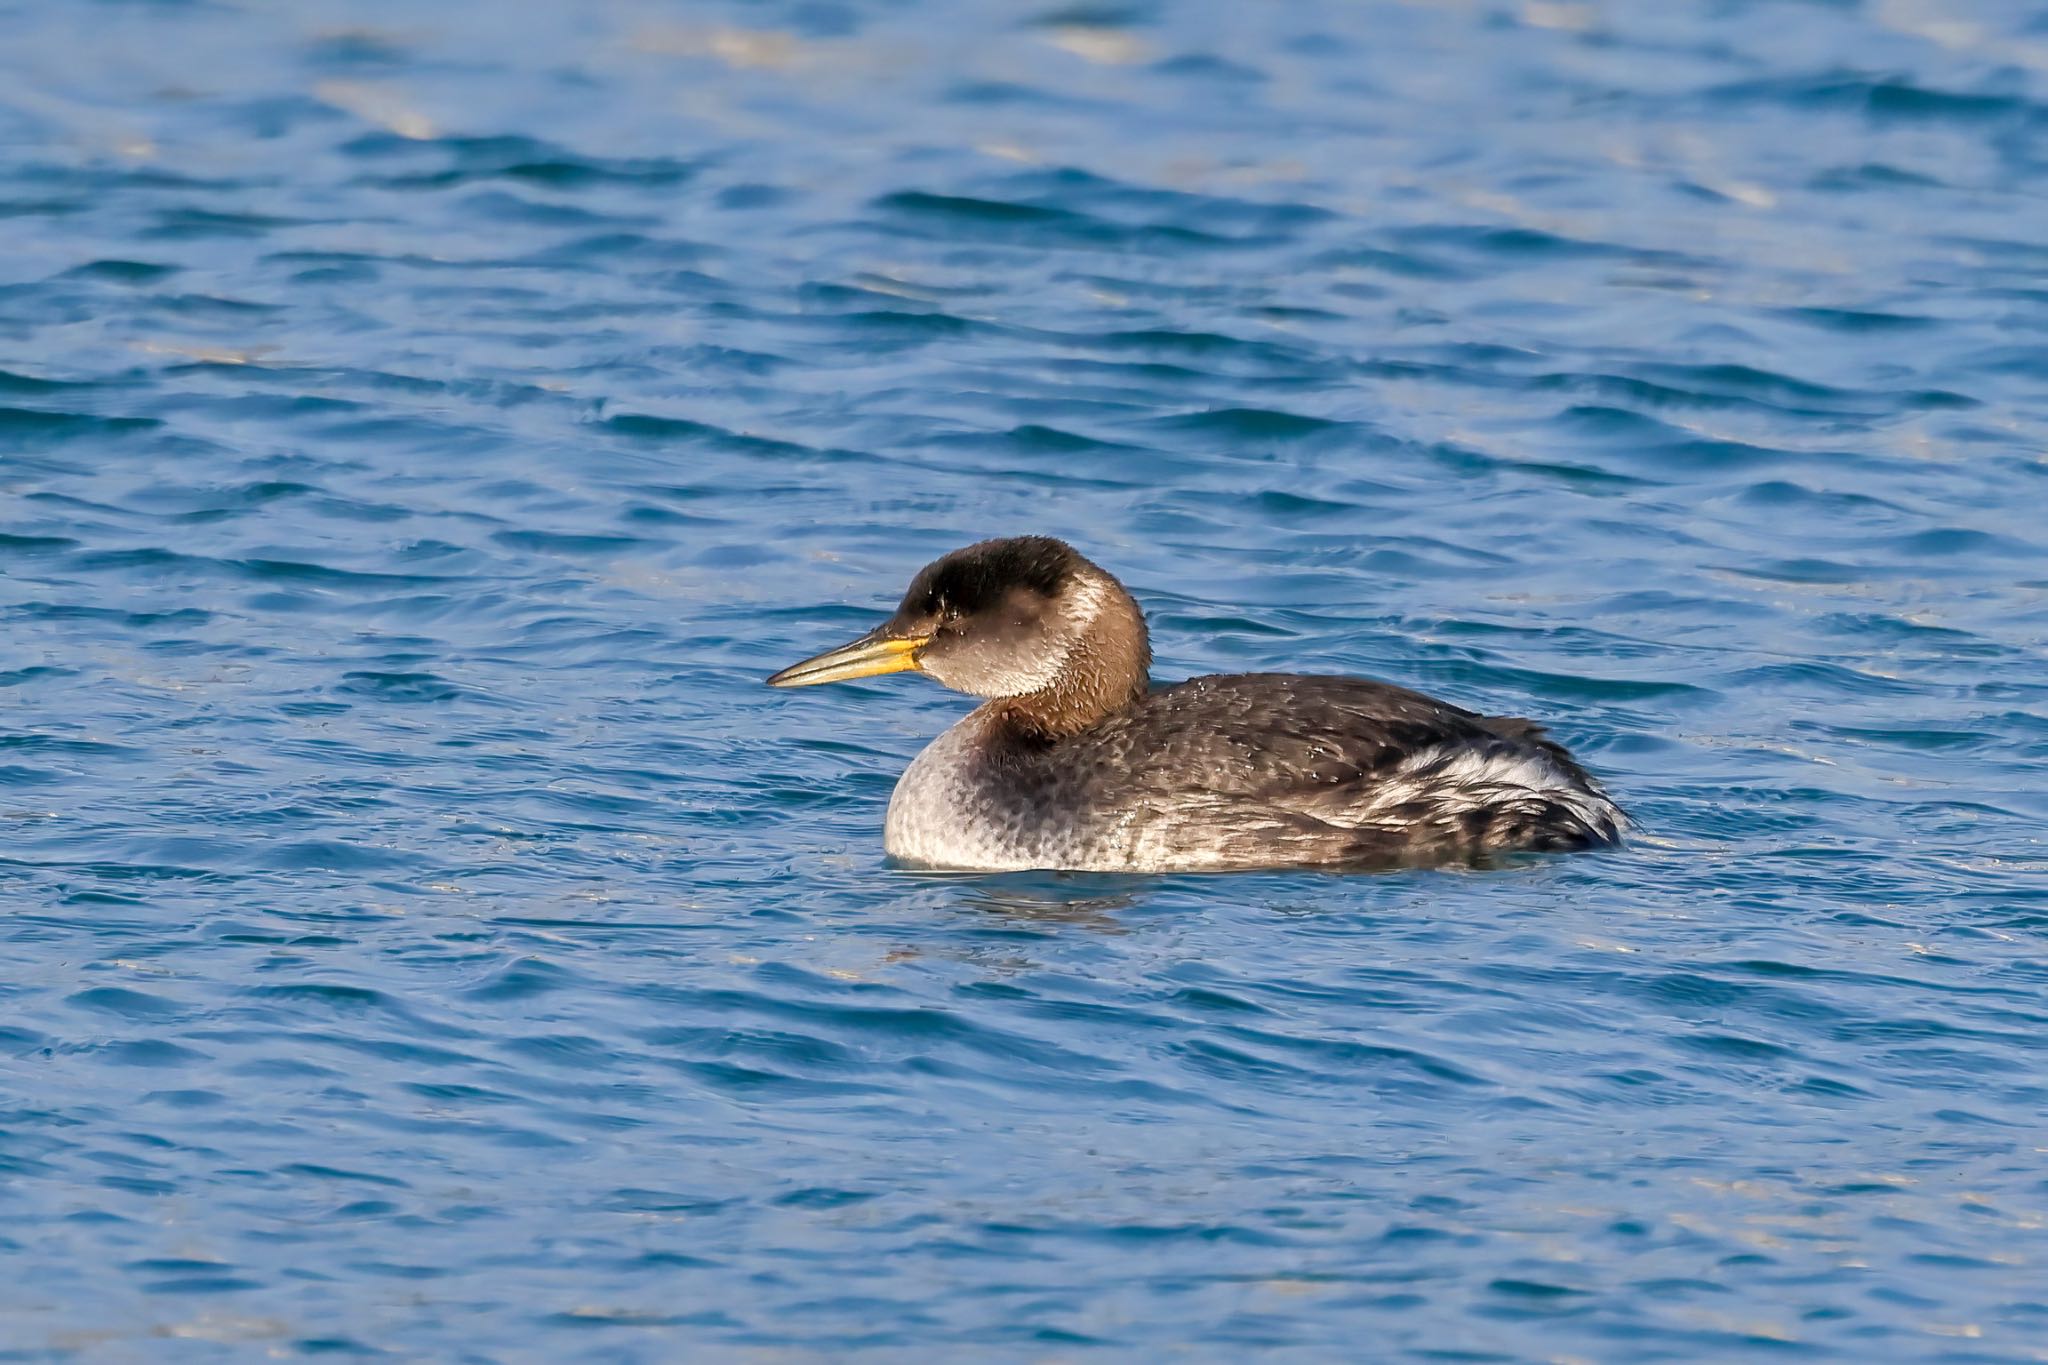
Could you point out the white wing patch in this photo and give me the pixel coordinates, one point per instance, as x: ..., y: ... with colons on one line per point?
x: 1456, y: 780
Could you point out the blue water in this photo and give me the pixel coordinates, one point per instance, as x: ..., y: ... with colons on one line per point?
x: 421, y: 428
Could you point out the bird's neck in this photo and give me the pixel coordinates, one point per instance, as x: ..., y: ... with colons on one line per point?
x: 1107, y: 669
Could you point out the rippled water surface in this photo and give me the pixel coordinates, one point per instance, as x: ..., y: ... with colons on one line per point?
x: 421, y: 427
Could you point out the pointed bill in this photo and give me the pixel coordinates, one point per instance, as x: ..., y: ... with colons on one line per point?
x: 870, y: 655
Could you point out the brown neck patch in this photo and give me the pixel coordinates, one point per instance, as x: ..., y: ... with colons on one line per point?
x: 1106, y: 671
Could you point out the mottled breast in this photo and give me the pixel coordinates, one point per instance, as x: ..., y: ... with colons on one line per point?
x: 954, y: 808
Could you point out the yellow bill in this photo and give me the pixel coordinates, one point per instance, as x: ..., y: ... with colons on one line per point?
x: 864, y: 658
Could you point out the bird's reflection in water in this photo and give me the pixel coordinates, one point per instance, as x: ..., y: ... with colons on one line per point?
x: 1023, y: 899
x: 1092, y: 902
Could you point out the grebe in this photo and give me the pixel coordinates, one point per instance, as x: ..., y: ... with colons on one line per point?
x: 1077, y: 761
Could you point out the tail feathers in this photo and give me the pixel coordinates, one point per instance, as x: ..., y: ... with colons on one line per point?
x: 1522, y: 794
x: 1547, y: 826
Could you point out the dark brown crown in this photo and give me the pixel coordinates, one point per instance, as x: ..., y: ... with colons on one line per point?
x: 978, y: 578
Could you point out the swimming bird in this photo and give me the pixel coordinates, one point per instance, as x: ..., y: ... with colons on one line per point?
x: 1076, y: 760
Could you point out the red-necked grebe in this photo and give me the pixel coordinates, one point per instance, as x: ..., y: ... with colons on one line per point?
x: 1078, y: 762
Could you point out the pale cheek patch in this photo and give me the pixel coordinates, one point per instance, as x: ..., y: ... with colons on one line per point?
x: 992, y: 672
x: 981, y: 677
